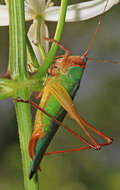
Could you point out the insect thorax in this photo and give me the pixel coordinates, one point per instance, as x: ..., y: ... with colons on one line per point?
x: 62, y: 65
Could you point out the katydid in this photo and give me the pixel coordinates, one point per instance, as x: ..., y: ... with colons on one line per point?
x: 59, y: 89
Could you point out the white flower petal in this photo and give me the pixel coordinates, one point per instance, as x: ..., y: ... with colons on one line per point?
x: 35, y: 7
x: 29, y: 12
x: 80, y: 11
x: 4, y: 16
x: 76, y: 12
x: 32, y: 35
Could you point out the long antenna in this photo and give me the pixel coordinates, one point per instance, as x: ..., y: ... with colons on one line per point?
x: 103, y: 60
x: 96, y: 30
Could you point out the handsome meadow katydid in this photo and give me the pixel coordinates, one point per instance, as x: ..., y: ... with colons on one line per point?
x: 59, y: 89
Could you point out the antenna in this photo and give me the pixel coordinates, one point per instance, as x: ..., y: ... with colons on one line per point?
x: 96, y: 30
x: 103, y: 60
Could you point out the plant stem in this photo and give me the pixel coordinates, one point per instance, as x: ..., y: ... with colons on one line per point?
x: 17, y: 41
x: 39, y: 23
x: 35, y: 63
x: 18, y: 70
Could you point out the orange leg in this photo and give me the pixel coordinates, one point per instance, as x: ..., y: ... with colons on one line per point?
x: 67, y: 52
x: 65, y: 56
x: 72, y: 150
x: 109, y: 140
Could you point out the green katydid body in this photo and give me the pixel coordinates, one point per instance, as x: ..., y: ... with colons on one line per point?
x: 70, y: 80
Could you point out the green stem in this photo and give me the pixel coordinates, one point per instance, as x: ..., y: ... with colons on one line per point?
x: 9, y: 88
x: 25, y: 130
x: 17, y: 41
x: 39, y: 23
x: 48, y: 60
x: 42, y: 51
x: 32, y: 55
x: 18, y: 70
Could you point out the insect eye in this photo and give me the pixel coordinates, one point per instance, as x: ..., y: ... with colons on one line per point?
x: 84, y: 59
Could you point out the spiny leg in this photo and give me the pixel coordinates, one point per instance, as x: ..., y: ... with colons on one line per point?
x: 67, y: 52
x: 59, y: 123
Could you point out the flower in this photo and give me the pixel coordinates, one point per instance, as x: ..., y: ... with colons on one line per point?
x: 75, y: 12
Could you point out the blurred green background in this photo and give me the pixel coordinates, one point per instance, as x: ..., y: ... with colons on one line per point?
x: 97, y: 101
